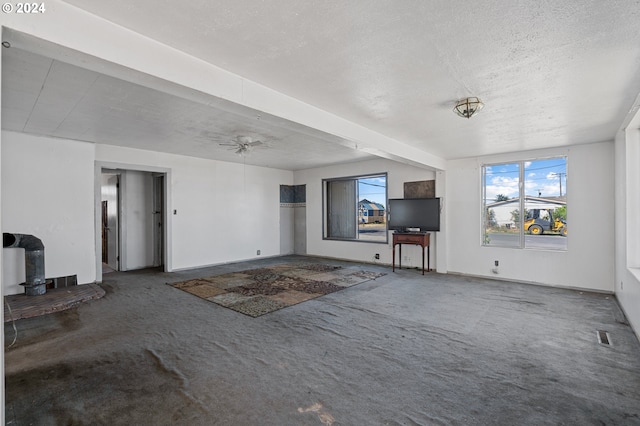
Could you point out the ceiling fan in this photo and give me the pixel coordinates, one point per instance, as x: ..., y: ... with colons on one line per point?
x: 242, y: 144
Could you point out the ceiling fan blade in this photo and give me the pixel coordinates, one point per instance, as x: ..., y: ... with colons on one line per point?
x: 242, y: 144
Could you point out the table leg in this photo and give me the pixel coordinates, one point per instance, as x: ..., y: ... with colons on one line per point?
x: 422, y: 259
x: 393, y: 259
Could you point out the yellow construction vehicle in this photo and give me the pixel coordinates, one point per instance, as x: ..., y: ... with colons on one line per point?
x: 537, y: 226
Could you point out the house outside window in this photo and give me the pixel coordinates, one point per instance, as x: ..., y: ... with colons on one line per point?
x: 524, y: 204
x: 354, y: 208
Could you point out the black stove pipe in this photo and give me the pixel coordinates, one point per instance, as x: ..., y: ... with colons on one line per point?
x: 35, y: 283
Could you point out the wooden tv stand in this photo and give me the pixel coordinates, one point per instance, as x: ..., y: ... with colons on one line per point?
x: 414, y: 238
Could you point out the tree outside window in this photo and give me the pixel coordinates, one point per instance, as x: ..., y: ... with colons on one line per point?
x: 538, y: 188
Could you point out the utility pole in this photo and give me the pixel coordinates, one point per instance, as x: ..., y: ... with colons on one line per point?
x: 560, y: 180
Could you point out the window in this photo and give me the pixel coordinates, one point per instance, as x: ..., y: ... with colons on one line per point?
x: 632, y: 183
x: 354, y: 208
x: 525, y: 204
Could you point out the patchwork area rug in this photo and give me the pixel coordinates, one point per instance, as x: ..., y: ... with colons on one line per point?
x: 257, y: 292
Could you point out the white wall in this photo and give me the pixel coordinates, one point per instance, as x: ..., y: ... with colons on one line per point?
x: 225, y: 212
x: 2, y: 268
x: 588, y: 262
x: 627, y: 251
x: 397, y: 175
x: 300, y: 230
x: 287, y: 230
x: 137, y: 222
x: 47, y: 191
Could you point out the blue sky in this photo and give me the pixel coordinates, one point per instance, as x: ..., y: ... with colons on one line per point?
x: 545, y: 177
x: 373, y: 189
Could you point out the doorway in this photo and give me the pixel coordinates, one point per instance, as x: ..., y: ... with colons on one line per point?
x: 132, y: 219
x: 110, y: 221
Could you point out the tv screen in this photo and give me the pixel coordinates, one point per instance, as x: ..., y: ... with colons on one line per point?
x: 422, y: 213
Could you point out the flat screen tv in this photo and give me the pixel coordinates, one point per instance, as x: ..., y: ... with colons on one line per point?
x: 414, y: 213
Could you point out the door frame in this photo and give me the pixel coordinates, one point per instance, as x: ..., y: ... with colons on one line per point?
x: 158, y: 196
x: 106, y: 166
x: 117, y: 231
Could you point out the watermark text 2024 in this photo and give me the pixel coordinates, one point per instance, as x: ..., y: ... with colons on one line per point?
x: 24, y: 8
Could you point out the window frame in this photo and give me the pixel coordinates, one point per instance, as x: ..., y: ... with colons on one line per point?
x: 325, y: 208
x: 522, y: 202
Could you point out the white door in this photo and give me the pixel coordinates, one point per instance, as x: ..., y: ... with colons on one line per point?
x: 111, y: 194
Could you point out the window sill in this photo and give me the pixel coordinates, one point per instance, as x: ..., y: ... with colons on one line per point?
x: 356, y: 241
x: 635, y: 272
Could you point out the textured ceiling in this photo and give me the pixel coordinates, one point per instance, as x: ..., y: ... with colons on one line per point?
x: 43, y: 96
x: 550, y: 73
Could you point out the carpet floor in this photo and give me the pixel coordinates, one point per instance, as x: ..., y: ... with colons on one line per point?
x: 403, y: 349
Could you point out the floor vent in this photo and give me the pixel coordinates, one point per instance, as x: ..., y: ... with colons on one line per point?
x: 603, y: 338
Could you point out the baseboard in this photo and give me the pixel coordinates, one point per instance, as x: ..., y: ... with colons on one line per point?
x: 536, y: 283
x: 231, y: 262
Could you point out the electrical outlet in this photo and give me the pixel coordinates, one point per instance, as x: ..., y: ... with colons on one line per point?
x: 377, y: 256
x: 496, y: 263
x: 258, y: 252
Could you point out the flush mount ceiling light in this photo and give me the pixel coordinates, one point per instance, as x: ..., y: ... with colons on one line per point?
x: 467, y: 107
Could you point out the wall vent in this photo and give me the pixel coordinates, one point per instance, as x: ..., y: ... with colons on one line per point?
x: 59, y: 282
x: 603, y: 338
